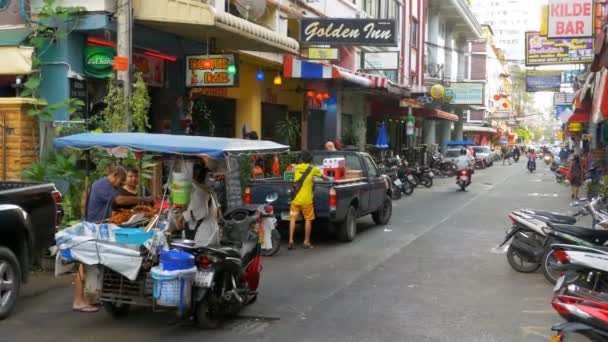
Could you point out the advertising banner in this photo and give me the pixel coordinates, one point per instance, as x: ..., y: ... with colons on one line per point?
x: 99, y: 61
x: 211, y: 71
x: 467, y: 93
x: 328, y: 54
x: 152, y: 68
x: 340, y: 31
x: 570, y: 19
x: 543, y: 80
x: 380, y: 60
x: 544, y: 51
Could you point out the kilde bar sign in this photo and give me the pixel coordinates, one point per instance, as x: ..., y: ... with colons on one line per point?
x: 570, y: 19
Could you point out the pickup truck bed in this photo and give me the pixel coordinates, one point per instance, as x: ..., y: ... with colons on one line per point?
x: 337, y: 203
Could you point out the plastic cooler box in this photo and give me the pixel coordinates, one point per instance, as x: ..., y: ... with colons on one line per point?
x: 132, y: 236
x: 173, y: 288
x: 175, y: 260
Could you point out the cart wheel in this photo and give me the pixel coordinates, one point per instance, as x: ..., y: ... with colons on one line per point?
x: 206, y: 318
x: 116, y: 310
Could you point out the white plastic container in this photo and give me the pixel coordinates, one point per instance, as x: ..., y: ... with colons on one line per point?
x: 173, y: 288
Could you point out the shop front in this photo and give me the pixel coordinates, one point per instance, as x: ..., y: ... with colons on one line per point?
x: 480, y: 135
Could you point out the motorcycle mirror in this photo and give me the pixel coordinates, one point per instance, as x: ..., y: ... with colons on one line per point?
x: 272, y: 197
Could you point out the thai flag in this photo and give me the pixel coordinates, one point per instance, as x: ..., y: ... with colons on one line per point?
x: 297, y: 68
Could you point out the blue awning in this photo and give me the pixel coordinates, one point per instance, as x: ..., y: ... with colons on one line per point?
x: 460, y: 143
x: 167, y: 143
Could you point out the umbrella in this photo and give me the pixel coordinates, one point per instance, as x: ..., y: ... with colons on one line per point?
x: 382, y: 140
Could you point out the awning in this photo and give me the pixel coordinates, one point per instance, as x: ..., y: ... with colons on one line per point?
x: 434, y: 114
x: 16, y: 60
x: 294, y: 67
x: 199, y: 21
x: 482, y: 129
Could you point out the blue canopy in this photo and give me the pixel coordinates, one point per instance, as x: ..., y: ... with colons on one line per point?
x: 460, y: 143
x: 167, y: 143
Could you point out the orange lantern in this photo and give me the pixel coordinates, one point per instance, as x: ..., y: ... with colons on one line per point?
x: 496, y: 97
x: 310, y: 93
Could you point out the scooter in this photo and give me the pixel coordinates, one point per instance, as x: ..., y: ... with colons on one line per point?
x: 268, y: 223
x: 532, y: 165
x: 228, y: 274
x: 576, y: 306
x: 463, y: 179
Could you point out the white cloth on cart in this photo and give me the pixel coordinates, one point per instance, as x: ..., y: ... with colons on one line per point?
x: 94, y: 244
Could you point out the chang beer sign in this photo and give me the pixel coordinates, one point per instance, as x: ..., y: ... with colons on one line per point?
x: 99, y: 61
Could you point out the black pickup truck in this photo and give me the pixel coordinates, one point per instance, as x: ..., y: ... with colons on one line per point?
x: 29, y: 215
x: 338, y: 203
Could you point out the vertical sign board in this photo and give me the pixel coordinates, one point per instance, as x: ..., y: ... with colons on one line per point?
x: 570, y: 19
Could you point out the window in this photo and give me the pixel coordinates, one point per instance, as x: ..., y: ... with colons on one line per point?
x: 372, y: 170
x: 414, y: 33
x: 4, y: 4
x: 372, y: 7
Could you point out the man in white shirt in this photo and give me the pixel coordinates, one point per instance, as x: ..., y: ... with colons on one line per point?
x: 463, y: 162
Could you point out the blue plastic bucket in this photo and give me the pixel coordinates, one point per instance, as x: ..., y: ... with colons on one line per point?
x: 175, y: 260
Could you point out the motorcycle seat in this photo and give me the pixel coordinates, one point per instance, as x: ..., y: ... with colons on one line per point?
x: 230, y: 252
x: 584, y: 233
x: 554, y: 217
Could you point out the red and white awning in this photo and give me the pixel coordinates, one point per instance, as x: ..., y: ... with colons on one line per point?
x: 294, y: 67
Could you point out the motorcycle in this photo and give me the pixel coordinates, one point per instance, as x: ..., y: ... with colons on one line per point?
x: 532, y: 165
x: 463, y: 179
x: 534, y: 231
x: 228, y: 275
x: 423, y: 176
x: 445, y: 168
x: 268, y: 222
x: 516, y: 157
x: 570, y: 329
x: 398, y: 186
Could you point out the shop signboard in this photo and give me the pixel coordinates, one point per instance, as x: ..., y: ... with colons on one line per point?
x: 467, y: 93
x: 544, y: 51
x: 570, y: 19
x: 212, y: 71
x: 500, y: 115
x: 563, y: 99
x: 348, y: 31
x: 326, y: 54
x: 388, y: 60
x: 152, y: 69
x: 561, y: 110
x: 543, y: 80
x: 99, y: 61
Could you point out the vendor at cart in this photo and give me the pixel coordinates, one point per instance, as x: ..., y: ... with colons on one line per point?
x: 106, y: 193
x: 130, y: 189
x: 200, y: 220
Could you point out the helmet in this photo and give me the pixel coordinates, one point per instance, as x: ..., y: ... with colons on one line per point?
x: 463, y: 151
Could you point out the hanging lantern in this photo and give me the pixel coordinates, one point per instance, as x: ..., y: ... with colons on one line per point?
x: 326, y: 95
x: 259, y: 76
x: 310, y: 93
x: 496, y: 97
x: 231, y: 70
x: 449, y: 95
x: 437, y: 91
x: 277, y: 80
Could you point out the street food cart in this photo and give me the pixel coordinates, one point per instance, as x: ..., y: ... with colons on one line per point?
x: 122, y: 257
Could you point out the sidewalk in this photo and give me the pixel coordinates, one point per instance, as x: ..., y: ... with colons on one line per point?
x: 43, y: 281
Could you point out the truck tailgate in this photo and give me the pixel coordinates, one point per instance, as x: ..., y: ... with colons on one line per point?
x: 262, y: 187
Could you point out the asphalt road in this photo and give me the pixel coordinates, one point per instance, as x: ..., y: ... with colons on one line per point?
x: 432, y: 274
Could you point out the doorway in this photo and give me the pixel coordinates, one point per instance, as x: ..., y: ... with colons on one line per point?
x: 316, y: 129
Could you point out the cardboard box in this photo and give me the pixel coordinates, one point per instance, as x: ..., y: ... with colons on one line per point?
x: 351, y: 174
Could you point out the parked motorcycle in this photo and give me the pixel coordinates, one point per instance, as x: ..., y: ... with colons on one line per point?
x: 229, y: 274
x: 398, y: 186
x: 567, y: 331
x: 423, y: 175
x: 533, y: 231
x: 463, y: 179
x: 445, y: 168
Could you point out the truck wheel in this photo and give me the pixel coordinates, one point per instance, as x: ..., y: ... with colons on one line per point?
x: 348, y: 228
x: 10, y: 281
x: 383, y: 215
x: 116, y: 310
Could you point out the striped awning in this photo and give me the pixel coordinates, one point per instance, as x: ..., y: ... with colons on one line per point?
x: 294, y: 67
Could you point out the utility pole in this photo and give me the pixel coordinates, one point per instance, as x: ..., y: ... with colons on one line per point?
x: 124, y: 39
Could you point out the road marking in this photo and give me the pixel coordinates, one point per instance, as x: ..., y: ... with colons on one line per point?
x: 536, y: 331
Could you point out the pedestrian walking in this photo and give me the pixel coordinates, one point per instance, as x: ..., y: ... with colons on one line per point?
x: 506, y: 157
x: 576, y: 175
x: 303, y: 200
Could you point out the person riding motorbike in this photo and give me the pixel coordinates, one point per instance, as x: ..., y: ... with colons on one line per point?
x: 463, y: 162
x: 516, y: 153
x: 532, y: 158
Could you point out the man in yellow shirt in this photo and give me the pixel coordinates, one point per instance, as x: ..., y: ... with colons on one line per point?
x: 304, y: 198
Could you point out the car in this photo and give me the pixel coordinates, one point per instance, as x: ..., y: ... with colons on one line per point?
x: 484, y: 155
x: 29, y: 216
x: 453, y: 153
x: 338, y: 204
